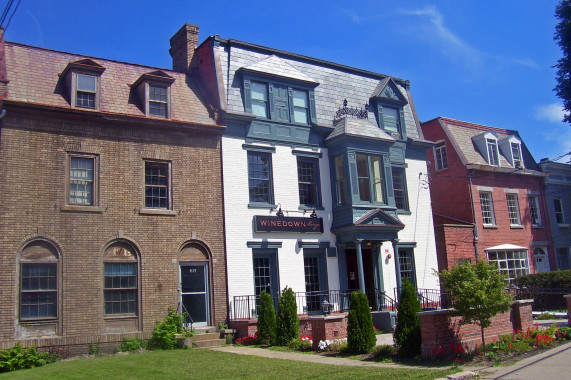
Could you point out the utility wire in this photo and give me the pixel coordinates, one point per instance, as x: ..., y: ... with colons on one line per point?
x: 12, y: 15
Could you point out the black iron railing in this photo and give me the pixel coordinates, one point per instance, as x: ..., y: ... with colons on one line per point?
x: 545, y: 299
x: 430, y: 299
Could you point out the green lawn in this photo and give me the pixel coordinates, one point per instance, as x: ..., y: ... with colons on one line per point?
x: 206, y: 364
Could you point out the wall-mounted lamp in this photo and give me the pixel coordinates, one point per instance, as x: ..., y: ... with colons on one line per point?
x: 280, y: 213
x: 313, y: 214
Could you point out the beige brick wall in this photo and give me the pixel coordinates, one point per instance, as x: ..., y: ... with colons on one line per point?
x: 33, y: 154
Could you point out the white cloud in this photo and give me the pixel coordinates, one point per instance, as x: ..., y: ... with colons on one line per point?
x: 552, y: 112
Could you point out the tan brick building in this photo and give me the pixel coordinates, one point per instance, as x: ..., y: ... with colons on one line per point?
x: 111, y: 207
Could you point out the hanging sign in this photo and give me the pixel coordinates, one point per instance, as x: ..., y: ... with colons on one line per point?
x: 287, y: 224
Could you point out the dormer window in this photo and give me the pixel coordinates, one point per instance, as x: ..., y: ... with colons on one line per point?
x: 516, y: 155
x: 493, y: 155
x: 511, y: 149
x: 390, y: 108
x: 391, y: 121
x: 154, y: 93
x: 86, y: 91
x: 83, y: 79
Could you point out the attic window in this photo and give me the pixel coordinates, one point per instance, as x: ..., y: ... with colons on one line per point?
x: 493, y: 156
x: 83, y: 78
x: 516, y: 155
x: 154, y: 92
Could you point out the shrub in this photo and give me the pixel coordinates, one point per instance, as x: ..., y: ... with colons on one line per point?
x: 384, y: 351
x: 20, y: 358
x: 546, y: 316
x: 266, y: 319
x: 163, y: 333
x: 555, y: 279
x: 93, y: 348
x: 131, y: 344
x: 287, y: 323
x: 360, y: 333
x: 407, y: 333
x: 248, y: 340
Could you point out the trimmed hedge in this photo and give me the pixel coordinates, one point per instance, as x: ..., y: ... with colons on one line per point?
x: 360, y: 332
x: 266, y: 319
x: 551, y: 280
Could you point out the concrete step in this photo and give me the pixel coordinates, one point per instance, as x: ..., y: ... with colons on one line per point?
x: 205, y: 336
x: 208, y: 343
x: 204, y: 329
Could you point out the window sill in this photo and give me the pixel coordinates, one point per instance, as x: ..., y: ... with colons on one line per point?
x: 156, y: 211
x: 262, y: 205
x: 308, y: 208
x: 563, y: 225
x: 37, y: 321
x: 78, y: 208
x: 404, y: 212
x: 516, y: 226
x: 537, y: 226
x: 490, y: 226
x: 120, y: 316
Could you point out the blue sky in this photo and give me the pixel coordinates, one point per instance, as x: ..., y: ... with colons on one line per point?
x: 478, y: 61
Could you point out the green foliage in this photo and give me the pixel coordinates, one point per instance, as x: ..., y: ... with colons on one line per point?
x: 266, y: 319
x: 131, y: 344
x: 93, y: 348
x: 20, y: 358
x: 556, y: 279
x: 546, y: 316
x: 407, y: 333
x: 478, y: 293
x: 229, y: 338
x: 222, y: 326
x: 360, y: 332
x: 163, y: 332
x: 287, y: 323
x: 563, y: 66
x: 384, y: 351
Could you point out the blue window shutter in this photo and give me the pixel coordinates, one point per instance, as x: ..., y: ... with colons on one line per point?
x: 402, y: 124
x: 271, y: 100
x: 281, y: 101
x: 312, y: 109
x: 290, y: 99
x: 388, y: 179
x: 247, y: 95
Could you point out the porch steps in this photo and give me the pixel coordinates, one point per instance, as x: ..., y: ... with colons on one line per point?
x: 207, y: 337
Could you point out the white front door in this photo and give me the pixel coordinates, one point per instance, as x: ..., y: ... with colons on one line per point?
x: 194, y: 292
x: 541, y: 261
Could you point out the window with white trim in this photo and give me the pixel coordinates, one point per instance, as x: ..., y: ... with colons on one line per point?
x: 534, y: 210
x: 399, y: 188
x: 516, y: 155
x: 157, y: 185
x: 440, y: 157
x: 82, y: 180
x: 493, y: 155
x: 158, y: 101
x: 487, y: 205
x: 511, y: 263
x: 513, y: 209
x: 85, y: 91
x: 559, y: 216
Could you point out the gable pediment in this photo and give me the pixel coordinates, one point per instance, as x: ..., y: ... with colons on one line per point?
x: 84, y: 64
x: 388, y: 90
x: 379, y: 217
x: 276, y: 67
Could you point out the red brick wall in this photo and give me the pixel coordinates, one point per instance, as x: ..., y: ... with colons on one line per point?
x: 439, y: 329
x: 329, y: 328
x: 454, y: 243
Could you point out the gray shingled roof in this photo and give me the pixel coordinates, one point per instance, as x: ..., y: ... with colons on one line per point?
x: 274, y: 65
x: 352, y: 126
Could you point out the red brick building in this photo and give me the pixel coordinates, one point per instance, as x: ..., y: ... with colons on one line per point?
x: 488, y: 198
x: 111, y: 207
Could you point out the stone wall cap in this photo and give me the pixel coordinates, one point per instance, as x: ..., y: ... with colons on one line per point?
x: 440, y: 311
x: 329, y: 317
x: 523, y: 302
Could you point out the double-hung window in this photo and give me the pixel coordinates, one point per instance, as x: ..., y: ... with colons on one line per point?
x: 564, y: 257
x: 278, y: 102
x: 406, y: 265
x: 493, y: 156
x: 158, y: 101
x: 399, y: 188
x: 340, y: 182
x: 534, y: 210
x: 85, y: 91
x: 440, y: 156
x: 391, y: 121
x: 82, y: 183
x: 516, y: 155
x: 120, y: 288
x: 370, y: 178
x: 308, y: 181
x: 38, y: 294
x: 513, y: 209
x: 157, y: 185
x: 487, y: 206
x: 260, y: 177
x: 558, y: 206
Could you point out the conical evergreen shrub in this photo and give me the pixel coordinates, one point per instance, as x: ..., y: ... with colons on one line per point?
x: 407, y: 333
x: 360, y: 332
x: 287, y: 320
x: 266, y: 319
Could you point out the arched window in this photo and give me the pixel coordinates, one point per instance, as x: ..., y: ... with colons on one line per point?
x: 121, y: 280
x: 39, y: 270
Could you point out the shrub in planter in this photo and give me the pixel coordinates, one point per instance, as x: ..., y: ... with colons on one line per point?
x: 360, y: 333
x: 287, y: 321
x: 163, y: 334
x: 266, y: 319
x: 407, y: 333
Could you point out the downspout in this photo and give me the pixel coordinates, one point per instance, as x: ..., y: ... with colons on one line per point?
x: 474, y: 217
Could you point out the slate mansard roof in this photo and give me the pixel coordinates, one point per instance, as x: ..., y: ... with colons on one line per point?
x: 332, y: 83
x: 34, y: 76
x: 461, y: 135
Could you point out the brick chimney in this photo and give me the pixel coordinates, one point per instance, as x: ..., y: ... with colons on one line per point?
x: 182, y: 48
x: 3, y: 72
